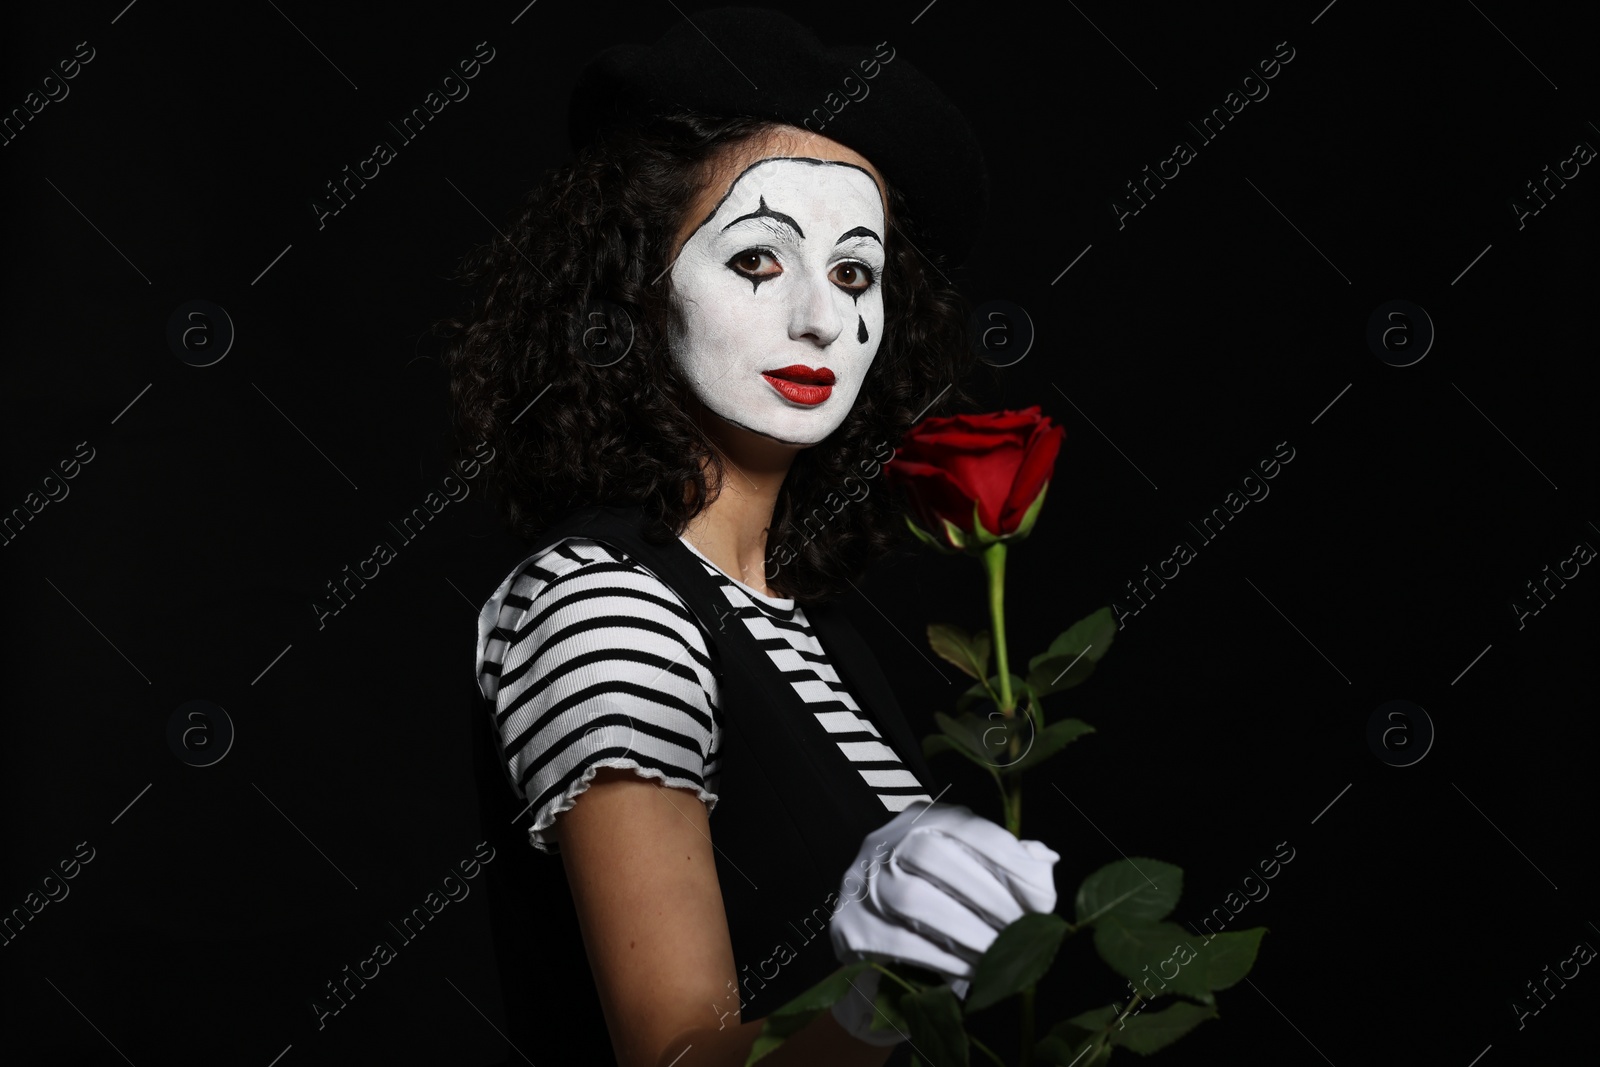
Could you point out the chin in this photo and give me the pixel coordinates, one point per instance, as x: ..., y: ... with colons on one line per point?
x: 788, y: 426
x: 794, y: 436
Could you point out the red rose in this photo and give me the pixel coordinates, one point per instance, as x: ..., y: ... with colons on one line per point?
x: 974, y: 479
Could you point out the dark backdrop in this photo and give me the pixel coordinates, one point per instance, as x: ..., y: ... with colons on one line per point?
x: 1179, y: 346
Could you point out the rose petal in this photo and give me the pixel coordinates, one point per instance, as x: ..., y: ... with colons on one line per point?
x: 934, y: 494
x: 990, y: 460
x: 966, y: 441
x: 1036, y: 468
x: 987, y: 478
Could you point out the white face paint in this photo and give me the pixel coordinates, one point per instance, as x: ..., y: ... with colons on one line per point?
x: 781, y: 294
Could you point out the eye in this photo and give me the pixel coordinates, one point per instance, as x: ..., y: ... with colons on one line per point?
x: 756, y: 263
x: 852, y: 276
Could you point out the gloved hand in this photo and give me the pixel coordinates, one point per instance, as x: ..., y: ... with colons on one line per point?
x: 933, y: 887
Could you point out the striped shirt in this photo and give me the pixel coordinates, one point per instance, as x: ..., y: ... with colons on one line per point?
x: 592, y: 661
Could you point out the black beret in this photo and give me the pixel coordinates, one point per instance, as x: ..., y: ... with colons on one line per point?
x: 739, y: 61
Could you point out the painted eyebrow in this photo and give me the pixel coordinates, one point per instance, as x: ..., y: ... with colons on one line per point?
x: 859, y: 231
x: 765, y: 212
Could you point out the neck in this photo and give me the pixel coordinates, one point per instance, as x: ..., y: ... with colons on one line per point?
x: 731, y: 531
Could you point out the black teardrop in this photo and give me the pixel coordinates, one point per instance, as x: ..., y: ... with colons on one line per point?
x: 861, y: 329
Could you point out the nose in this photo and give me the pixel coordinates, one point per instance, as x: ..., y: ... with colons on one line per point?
x: 814, y: 312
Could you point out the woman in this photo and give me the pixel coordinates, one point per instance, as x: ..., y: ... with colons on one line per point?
x: 696, y: 347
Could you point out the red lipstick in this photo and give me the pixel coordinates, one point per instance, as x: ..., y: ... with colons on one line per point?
x: 801, y: 384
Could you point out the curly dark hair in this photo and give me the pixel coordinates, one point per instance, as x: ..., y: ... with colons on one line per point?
x: 595, y: 238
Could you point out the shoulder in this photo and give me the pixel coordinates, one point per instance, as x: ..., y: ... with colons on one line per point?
x: 580, y: 596
x: 578, y: 563
x: 572, y: 568
x: 587, y: 580
x: 595, y: 663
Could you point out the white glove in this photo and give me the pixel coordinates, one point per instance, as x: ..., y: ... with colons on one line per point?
x: 932, y: 888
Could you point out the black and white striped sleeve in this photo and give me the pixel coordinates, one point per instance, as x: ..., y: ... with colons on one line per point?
x: 591, y: 661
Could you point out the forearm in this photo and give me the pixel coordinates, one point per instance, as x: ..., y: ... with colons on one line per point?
x: 822, y: 1040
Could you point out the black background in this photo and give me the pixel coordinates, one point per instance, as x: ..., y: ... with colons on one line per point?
x: 1178, y: 351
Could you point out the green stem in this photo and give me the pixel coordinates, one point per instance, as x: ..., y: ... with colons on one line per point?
x: 884, y: 970
x: 1027, y: 1026
x: 979, y: 1045
x: 994, y: 561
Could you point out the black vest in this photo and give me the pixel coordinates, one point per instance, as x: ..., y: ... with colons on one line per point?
x: 790, y: 816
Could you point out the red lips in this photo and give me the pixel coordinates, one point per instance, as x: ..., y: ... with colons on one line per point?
x: 801, y: 384
x: 799, y: 372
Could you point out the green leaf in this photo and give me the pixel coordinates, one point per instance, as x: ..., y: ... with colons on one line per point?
x: 965, y: 735
x: 953, y: 534
x: 1055, y: 737
x: 1017, y: 958
x: 1065, y: 1043
x: 1053, y: 1050
x: 983, y: 536
x: 789, y: 1018
x: 773, y: 1034
x: 927, y: 538
x: 979, y: 693
x: 1029, y: 517
x: 1034, y: 706
x: 1150, y: 952
x: 986, y: 738
x: 1090, y: 1021
x: 933, y: 1017
x: 1166, y: 958
x: 888, y: 1016
x: 955, y: 645
x: 1061, y: 1053
x: 1145, y: 1032
x: 826, y: 992
x: 1072, y: 655
x: 1136, y: 890
x: 981, y: 647
x: 1228, y: 957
